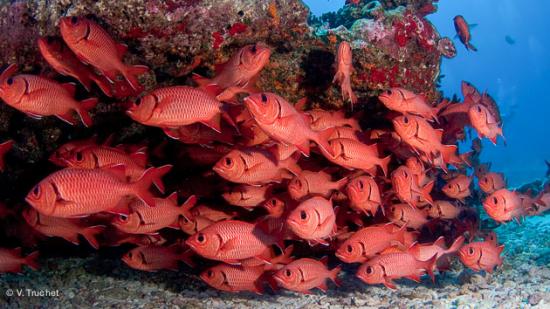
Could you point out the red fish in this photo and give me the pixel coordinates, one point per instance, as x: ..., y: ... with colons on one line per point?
x: 231, y: 241
x: 313, y: 220
x: 279, y: 205
x: 320, y: 120
x: 364, y: 195
x: 403, y: 214
x: 4, y: 148
x: 485, y: 123
x: 255, y: 166
x: 94, y: 46
x: 387, y: 267
x: 12, y: 261
x: 162, y: 108
x: 247, y: 196
x: 423, y: 252
x: 346, y: 132
x: 234, y: 278
x: 69, y: 229
x: 482, y: 255
x: 463, y: 31
x: 282, y: 122
x: 443, y: 210
x: 490, y: 182
x: 37, y: 97
x: 305, y: 274
x: 422, y: 137
x: 64, y: 61
x: 369, y: 241
x: 314, y: 183
x: 504, y: 205
x: 81, y: 192
x: 240, y: 72
x: 344, y: 65
x: 146, y: 220
x: 353, y: 154
x: 458, y: 187
x: 407, y: 188
x: 153, y: 258
x: 64, y: 151
x: 406, y: 102
x: 198, y: 133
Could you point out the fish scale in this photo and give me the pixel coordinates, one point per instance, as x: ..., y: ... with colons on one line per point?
x: 107, y: 156
x: 164, y: 214
x: 354, y: 154
x: 238, y: 278
x: 374, y: 239
x: 397, y: 264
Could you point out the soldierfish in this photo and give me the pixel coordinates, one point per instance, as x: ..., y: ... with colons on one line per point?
x: 504, y: 205
x: 172, y: 107
x: 344, y: 67
x: 305, y: 274
x: 38, y: 96
x: 66, y: 228
x: 313, y: 220
x: 407, y: 187
x: 353, y: 154
x: 458, y: 187
x: 153, y: 258
x: 485, y: 123
x: 235, y: 278
x: 4, y: 148
x: 364, y: 195
x: 407, y: 102
x: 443, y: 210
x: 320, y: 119
x: 482, y: 255
x: 386, y: 267
x: 64, y: 61
x: 463, y: 31
x: 424, y: 252
x: 282, y: 122
x: 76, y: 192
x: 94, y: 46
x: 370, y: 241
x: 490, y: 182
x: 314, y: 183
x: 255, y: 166
x: 247, y: 196
x: 12, y: 261
x: 404, y: 214
x: 143, y: 219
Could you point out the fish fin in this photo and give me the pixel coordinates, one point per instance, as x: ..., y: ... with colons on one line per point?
x: 389, y: 284
x: 440, y: 242
x: 301, y: 104
x: 338, y: 77
x: 492, y: 238
x: 73, y: 238
x: 152, y: 175
x: 414, y: 277
x: 31, y: 260
x: 117, y: 170
x: 340, y: 184
x: 334, y: 275
x: 8, y: 72
x: 188, y: 204
x: 384, y: 164
x: 121, y: 208
x: 103, y: 85
x: 83, y: 109
x: 292, y: 166
x: 214, y: 123
x: 304, y: 148
x: 185, y: 257
x: 139, y: 157
x: 90, y: 234
x: 457, y: 244
x: 121, y: 50
x: 429, y: 266
x: 426, y: 192
x: 323, y: 286
x: 471, y: 47
x: 231, y: 244
x: 447, y: 152
x: 67, y: 117
x: 321, y: 139
x: 285, y: 258
x: 70, y: 88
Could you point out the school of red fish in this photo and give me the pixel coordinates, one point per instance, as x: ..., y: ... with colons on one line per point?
x: 298, y: 184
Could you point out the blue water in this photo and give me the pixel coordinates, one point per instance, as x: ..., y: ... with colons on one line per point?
x: 517, y: 75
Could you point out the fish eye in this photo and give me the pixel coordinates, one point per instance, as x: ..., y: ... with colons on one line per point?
x: 254, y: 49
x: 79, y: 156
x: 210, y: 274
x: 495, y: 200
x: 349, y: 248
x: 393, y: 209
x: 201, y: 238
x: 130, y: 254
x: 303, y: 215
x: 228, y: 161
x: 264, y: 98
x: 470, y: 251
x: 138, y: 101
x: 274, y: 202
x: 405, y: 119
x: 36, y: 190
x: 123, y: 217
x: 479, y: 109
x: 361, y: 185
x: 288, y: 273
x: 405, y: 174
x: 370, y: 270
x: 10, y: 81
x: 74, y: 20
x: 389, y: 92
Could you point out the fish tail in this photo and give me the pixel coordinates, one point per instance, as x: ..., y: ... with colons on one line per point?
x: 426, y: 192
x: 291, y: 164
x: 131, y: 73
x: 471, y: 47
x: 334, y: 275
x: 285, y: 258
x: 31, y: 260
x: 338, y: 77
x: 448, y: 152
x: 341, y: 183
x: 187, y: 205
x: 429, y: 266
x: 321, y: 139
x: 384, y: 164
x: 185, y: 257
x: 207, y: 85
x: 151, y: 176
x: 83, y: 109
x: 90, y: 234
x: 459, y: 241
x: 103, y: 84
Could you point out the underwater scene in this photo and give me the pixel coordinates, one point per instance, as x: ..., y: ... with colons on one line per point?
x: 274, y: 154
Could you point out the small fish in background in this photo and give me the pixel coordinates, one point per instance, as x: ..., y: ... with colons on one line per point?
x: 314, y: 183
x: 405, y: 215
x: 485, y: 123
x: 313, y: 220
x: 509, y: 40
x: 12, y: 261
x: 153, y: 258
x: 482, y: 255
x: 407, y: 102
x: 444, y: 210
x: 364, y: 195
x: 458, y: 187
x: 504, y: 205
x: 344, y: 67
x: 490, y: 182
x: 369, y: 241
x: 4, y: 148
x: 305, y: 274
x: 235, y: 278
x: 407, y: 188
x: 463, y: 32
